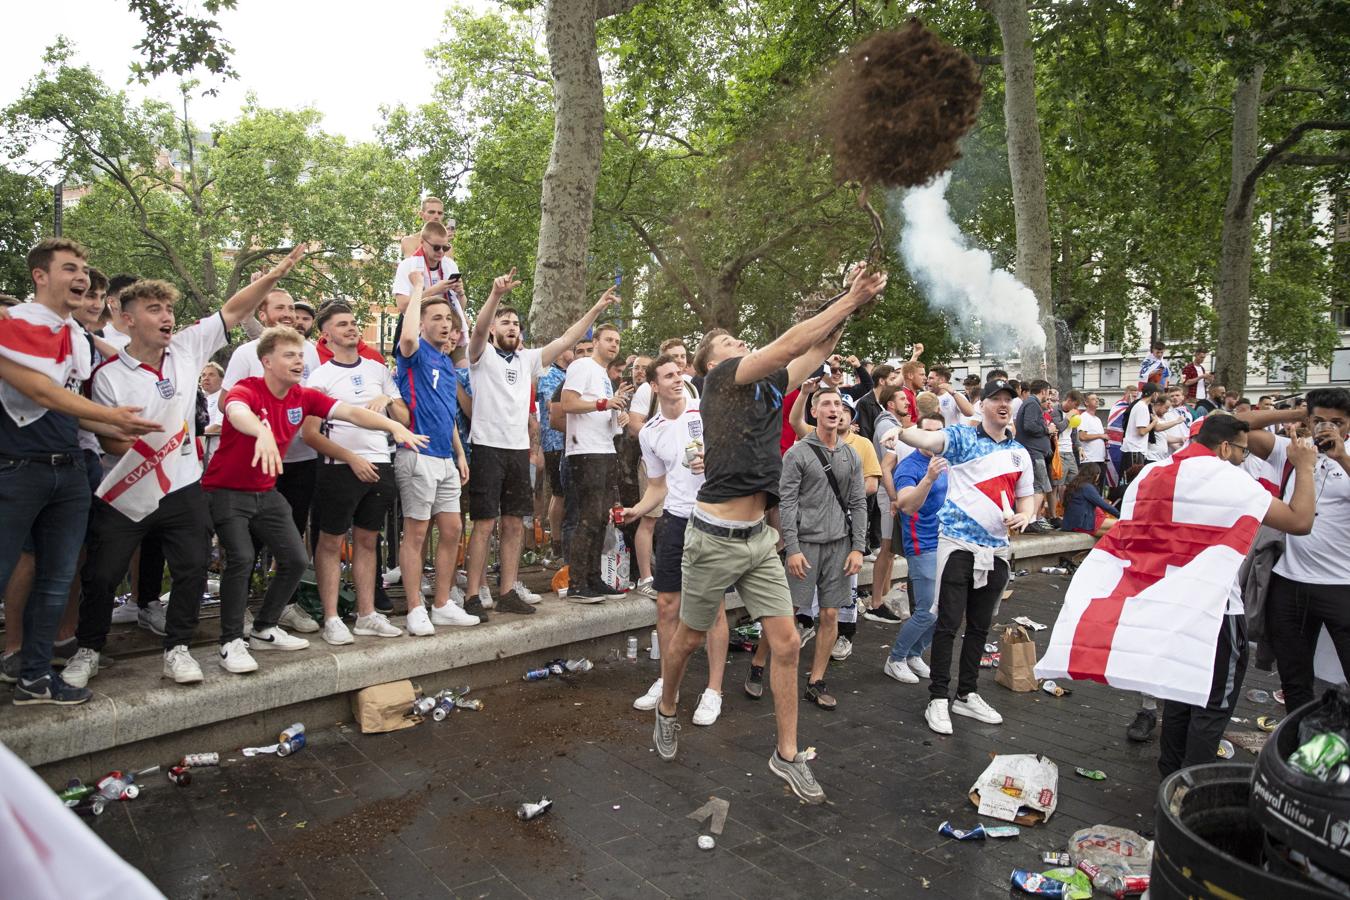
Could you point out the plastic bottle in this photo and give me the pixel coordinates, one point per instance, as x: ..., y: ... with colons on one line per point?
x: 655, y: 651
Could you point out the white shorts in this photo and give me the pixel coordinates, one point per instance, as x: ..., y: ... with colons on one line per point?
x: 427, y: 485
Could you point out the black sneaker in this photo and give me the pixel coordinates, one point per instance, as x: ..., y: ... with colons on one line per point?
x: 474, y: 607
x: 49, y: 689
x: 820, y: 695
x: 584, y: 595
x: 382, y: 602
x: 510, y: 602
x: 609, y: 591
x: 1141, y: 729
x: 62, y: 651
x: 754, y: 683
x: 882, y: 613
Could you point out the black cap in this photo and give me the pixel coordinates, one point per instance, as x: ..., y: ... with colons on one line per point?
x: 305, y: 305
x: 993, y: 387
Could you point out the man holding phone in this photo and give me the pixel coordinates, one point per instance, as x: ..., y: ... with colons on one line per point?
x: 440, y: 278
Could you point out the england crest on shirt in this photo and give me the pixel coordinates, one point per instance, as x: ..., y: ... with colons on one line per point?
x: 511, y: 375
x: 165, y: 387
x: 358, y: 380
x: 295, y: 415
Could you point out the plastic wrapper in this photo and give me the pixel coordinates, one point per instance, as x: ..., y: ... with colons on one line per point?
x: 1118, y: 860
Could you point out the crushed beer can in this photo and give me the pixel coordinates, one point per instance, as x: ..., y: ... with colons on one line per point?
x: 444, y: 707
x: 537, y: 674
x: 297, y: 728
x: 294, y: 745
x: 990, y: 660
x: 578, y: 666
x: 1226, y: 750
x: 199, y: 760
x: 472, y: 703
x: 88, y: 806
x: 1094, y: 774
x: 1051, y: 858
x: 1039, y: 885
x: 1055, y: 690
x: 423, y: 705
x: 1267, y: 723
x: 179, y: 775
x: 979, y: 832
x: 1320, y: 756
x: 1078, y: 884
x: 528, y: 811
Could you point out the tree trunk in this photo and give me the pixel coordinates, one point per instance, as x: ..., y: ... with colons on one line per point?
x: 1232, y: 288
x: 573, y: 169
x: 1026, y: 165
x: 1063, y: 335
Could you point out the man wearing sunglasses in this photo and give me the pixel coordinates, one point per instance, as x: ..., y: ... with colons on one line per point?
x: 440, y: 277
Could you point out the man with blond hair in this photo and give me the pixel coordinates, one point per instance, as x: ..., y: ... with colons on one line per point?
x: 431, y: 211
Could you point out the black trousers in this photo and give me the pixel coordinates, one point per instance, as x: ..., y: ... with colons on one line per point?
x: 1190, y: 734
x: 241, y: 518
x: 958, y: 598
x: 296, y: 484
x: 181, y: 528
x: 149, y: 572
x: 1295, y: 614
x: 590, y: 475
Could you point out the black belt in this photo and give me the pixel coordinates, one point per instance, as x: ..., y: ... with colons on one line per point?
x: 46, y: 459
x: 735, y: 534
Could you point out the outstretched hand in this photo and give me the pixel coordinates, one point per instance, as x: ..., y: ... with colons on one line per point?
x: 865, y: 286
x: 281, y: 269
x: 505, y: 284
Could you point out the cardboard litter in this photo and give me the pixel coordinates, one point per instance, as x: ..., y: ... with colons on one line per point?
x: 1017, y: 787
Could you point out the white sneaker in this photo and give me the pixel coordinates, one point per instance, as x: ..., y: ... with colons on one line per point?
x: 649, y: 700
x: 151, y: 618
x: 644, y: 588
x: 974, y: 707
x: 843, y: 649
x: 275, y: 639
x: 376, y: 624
x: 296, y: 619
x: 897, y: 669
x: 234, y: 657
x: 485, y: 597
x: 124, y: 613
x: 919, y: 667
x: 335, y: 632
x: 82, y: 666
x: 937, y: 717
x: 180, y: 666
x: 709, y: 708
x: 450, y: 614
x: 419, y: 623
x: 525, y: 593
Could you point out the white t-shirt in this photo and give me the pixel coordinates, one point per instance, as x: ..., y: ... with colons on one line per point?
x: 1140, y: 416
x: 244, y: 363
x: 1179, y: 433
x: 591, y: 432
x: 357, y: 384
x: 663, y: 442
x: 214, y: 415
x: 168, y: 395
x: 501, y: 397
x: 447, y: 267
x: 1319, y: 557
x: 1065, y: 437
x: 951, y: 413
x: 117, y: 338
x: 1093, y: 451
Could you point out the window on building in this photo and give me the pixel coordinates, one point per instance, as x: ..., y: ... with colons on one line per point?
x: 1110, y: 374
x: 1079, y: 373
x: 1340, y: 317
x: 1340, y: 364
x: 959, y: 374
x: 1286, y: 371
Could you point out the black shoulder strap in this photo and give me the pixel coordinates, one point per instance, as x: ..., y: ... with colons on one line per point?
x: 834, y: 484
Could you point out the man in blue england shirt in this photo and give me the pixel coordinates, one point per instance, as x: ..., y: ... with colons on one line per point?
x: 430, y: 482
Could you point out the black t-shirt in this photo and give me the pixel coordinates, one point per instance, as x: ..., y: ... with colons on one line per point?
x: 742, y: 425
x: 866, y: 414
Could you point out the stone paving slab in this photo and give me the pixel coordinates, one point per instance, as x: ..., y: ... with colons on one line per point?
x: 429, y: 811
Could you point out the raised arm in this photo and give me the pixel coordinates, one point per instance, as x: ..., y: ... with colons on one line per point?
x: 935, y: 442
x: 797, y: 415
x: 409, y: 338
x: 501, y: 286
x: 1296, y: 516
x: 554, y: 348
x: 804, y: 346
x: 247, y: 299
x: 911, y: 497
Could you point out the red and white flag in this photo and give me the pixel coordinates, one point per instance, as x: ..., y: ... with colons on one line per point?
x: 37, y: 338
x: 1143, y: 611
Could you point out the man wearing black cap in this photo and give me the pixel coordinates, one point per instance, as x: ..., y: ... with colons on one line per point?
x: 304, y: 318
x: 989, y: 473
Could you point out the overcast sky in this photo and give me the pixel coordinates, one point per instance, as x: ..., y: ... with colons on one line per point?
x: 343, y: 57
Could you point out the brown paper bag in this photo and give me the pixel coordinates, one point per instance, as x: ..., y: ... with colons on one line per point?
x: 1017, y: 660
x: 384, y: 707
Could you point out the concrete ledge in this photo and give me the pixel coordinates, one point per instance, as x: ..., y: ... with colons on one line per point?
x: 133, y: 704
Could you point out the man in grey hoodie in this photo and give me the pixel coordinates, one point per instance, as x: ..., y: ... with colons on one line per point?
x: 824, y: 531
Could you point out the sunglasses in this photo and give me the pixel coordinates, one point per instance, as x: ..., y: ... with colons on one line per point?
x: 439, y: 248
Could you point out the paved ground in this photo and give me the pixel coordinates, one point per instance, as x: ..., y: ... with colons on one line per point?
x: 429, y: 811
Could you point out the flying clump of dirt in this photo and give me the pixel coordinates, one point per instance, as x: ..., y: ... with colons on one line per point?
x: 899, y: 104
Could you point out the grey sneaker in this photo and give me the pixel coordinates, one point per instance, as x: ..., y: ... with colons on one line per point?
x: 666, y: 735
x: 9, y: 667
x: 798, y: 776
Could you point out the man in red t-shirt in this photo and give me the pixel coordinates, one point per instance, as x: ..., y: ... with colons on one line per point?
x: 1195, y: 377
x: 262, y: 415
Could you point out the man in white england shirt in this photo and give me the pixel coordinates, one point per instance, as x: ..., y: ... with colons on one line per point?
x: 503, y: 373
x: 296, y: 482
x: 154, y: 485
x: 355, y: 487
x: 440, y: 278
x: 1092, y: 435
x: 672, y: 450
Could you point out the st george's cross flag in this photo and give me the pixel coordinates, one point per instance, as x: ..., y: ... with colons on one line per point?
x: 37, y: 338
x: 1144, y: 610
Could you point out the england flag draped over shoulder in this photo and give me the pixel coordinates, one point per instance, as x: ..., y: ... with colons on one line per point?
x: 37, y: 338
x: 1143, y: 611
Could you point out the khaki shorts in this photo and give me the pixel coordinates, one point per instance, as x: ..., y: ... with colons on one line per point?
x: 427, y: 485
x: 712, y: 564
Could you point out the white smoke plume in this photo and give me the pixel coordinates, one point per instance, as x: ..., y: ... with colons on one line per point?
x: 988, y: 304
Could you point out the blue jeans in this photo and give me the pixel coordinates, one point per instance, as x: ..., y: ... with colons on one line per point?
x: 917, y: 632
x: 50, y: 504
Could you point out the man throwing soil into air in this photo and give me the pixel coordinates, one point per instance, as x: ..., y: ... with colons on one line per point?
x: 728, y: 541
